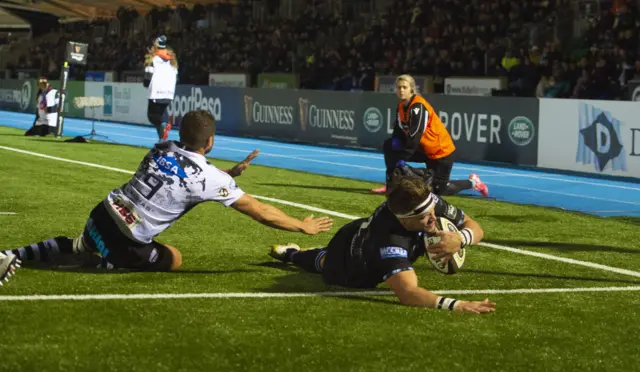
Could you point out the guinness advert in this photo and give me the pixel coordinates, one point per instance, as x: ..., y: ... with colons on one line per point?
x: 305, y: 116
x: 268, y: 114
x: 328, y: 119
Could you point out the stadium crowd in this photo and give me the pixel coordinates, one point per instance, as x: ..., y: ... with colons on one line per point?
x: 341, y: 50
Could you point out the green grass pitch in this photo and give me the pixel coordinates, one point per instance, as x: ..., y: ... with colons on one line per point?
x: 225, y: 252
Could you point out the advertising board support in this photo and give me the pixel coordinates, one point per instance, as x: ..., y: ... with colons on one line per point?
x: 76, y: 54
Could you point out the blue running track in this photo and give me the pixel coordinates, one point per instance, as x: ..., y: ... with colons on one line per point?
x: 577, y: 193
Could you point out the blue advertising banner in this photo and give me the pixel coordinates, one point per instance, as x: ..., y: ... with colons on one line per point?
x: 224, y: 103
x: 94, y: 76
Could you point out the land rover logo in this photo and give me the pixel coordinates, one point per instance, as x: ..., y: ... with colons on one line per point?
x: 521, y: 131
x: 372, y: 119
x: 25, y: 96
x: 635, y: 96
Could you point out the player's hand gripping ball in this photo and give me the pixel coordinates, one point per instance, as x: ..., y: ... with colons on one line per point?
x: 455, y: 261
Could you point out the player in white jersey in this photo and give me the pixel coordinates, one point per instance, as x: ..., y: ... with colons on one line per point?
x: 47, y: 101
x: 172, y: 178
x: 161, y: 75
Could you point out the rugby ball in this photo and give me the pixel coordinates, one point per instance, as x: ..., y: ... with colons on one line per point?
x: 456, y: 261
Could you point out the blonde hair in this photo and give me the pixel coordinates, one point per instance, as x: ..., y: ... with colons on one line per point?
x: 152, y: 52
x: 409, y: 79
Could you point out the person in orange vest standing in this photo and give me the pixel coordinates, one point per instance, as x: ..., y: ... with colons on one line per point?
x: 420, y: 136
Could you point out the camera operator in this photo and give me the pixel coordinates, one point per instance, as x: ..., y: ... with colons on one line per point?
x: 47, y: 101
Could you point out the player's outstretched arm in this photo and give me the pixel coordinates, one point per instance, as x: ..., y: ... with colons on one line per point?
x: 405, y: 285
x: 273, y: 217
x: 239, y: 168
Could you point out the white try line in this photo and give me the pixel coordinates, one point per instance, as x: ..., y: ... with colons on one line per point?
x: 174, y: 296
x: 1, y: 213
x: 351, y: 217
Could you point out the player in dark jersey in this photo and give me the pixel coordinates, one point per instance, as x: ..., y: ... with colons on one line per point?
x: 171, y: 180
x: 383, y: 247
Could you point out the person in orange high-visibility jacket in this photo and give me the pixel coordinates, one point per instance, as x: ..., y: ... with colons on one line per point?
x: 419, y: 136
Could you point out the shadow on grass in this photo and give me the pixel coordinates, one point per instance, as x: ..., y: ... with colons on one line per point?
x: 75, y: 267
x: 300, y: 281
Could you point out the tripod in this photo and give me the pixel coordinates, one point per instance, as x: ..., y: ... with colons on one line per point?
x: 93, y: 124
x: 93, y: 103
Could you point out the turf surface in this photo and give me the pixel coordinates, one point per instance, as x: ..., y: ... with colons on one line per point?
x: 225, y: 252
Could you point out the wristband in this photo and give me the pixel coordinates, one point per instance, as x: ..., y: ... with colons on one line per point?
x: 446, y: 303
x: 466, y: 235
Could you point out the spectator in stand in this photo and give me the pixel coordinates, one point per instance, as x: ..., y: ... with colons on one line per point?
x: 331, y: 50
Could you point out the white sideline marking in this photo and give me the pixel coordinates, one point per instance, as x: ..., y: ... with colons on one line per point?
x: 158, y: 296
x: 563, y: 259
x: 8, y: 213
x: 308, y: 207
x: 66, y: 160
x: 351, y: 217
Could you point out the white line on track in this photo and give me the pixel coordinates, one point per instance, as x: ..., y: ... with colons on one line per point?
x: 163, y: 296
x: 345, y: 154
x: 382, y: 170
x: 351, y: 217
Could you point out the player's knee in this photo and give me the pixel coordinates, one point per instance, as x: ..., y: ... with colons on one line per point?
x: 439, y: 186
x: 387, y: 144
x: 154, y: 118
x: 176, y: 257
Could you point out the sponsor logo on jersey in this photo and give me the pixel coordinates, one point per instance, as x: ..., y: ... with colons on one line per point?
x: 126, y: 211
x: 451, y: 211
x: 393, y: 252
x: 169, y: 165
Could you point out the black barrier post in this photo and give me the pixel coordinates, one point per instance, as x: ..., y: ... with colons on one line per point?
x: 62, y: 94
x: 77, y: 55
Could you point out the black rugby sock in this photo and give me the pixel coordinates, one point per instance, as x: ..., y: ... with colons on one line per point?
x: 308, y: 260
x: 45, y: 250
